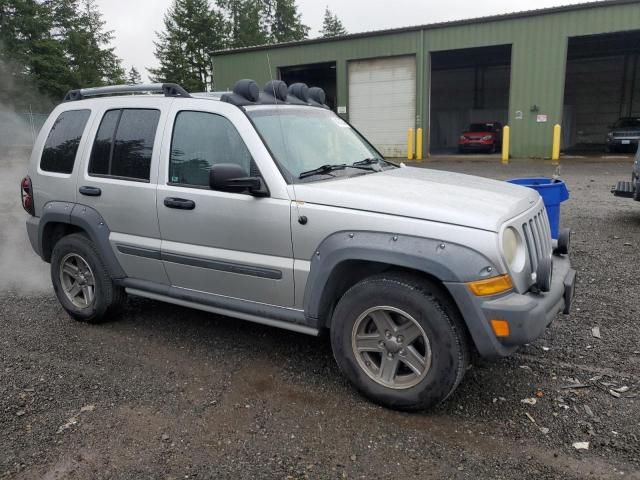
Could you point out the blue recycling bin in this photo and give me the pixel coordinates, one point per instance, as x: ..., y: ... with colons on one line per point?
x: 553, y: 193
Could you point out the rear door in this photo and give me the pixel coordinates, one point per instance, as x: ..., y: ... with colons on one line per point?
x: 119, y: 180
x: 228, y: 244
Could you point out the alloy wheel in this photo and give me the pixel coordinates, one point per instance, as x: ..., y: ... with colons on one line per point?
x: 391, y: 347
x: 77, y: 280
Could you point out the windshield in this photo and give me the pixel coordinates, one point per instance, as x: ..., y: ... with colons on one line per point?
x: 628, y: 123
x: 481, y: 127
x: 303, y: 139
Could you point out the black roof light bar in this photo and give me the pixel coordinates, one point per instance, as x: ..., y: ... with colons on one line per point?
x: 169, y: 90
x: 246, y: 92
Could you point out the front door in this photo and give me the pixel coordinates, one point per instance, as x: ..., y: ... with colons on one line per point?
x: 229, y: 244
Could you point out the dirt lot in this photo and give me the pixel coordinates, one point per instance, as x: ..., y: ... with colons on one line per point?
x: 168, y: 392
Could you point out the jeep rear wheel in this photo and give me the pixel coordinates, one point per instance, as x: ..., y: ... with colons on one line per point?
x: 393, y: 338
x: 81, y: 281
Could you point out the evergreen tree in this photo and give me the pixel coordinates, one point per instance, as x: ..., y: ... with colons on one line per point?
x: 287, y: 24
x: 133, y: 76
x: 48, y: 47
x: 331, y: 25
x: 86, y: 43
x: 249, y: 22
x: 32, y: 64
x: 193, y: 31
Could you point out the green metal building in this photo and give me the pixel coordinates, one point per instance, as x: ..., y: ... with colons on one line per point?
x: 577, y: 66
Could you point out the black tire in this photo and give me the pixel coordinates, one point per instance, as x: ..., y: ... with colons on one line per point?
x: 430, y: 308
x: 493, y: 149
x: 636, y: 193
x: 107, y: 297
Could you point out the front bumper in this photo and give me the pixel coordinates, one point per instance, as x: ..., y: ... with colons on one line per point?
x: 621, y: 142
x: 528, y: 314
x: 475, y: 146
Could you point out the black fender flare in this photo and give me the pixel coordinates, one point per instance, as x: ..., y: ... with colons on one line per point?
x: 90, y: 221
x: 446, y: 261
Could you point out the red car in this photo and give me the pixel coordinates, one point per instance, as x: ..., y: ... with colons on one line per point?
x: 481, y: 137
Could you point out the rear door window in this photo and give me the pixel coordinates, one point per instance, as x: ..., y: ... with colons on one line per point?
x: 124, y: 144
x: 61, y: 147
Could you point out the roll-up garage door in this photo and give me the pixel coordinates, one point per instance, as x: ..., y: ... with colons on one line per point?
x: 382, y: 101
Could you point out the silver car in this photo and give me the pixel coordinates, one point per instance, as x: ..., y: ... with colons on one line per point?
x: 263, y: 205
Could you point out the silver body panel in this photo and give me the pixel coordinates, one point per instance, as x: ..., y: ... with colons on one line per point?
x: 433, y: 195
x: 52, y: 186
x: 324, y: 220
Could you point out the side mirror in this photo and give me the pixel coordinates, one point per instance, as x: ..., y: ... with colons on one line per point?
x: 231, y: 177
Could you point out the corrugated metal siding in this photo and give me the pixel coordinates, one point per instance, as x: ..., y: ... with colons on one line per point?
x: 539, y: 48
x: 382, y: 101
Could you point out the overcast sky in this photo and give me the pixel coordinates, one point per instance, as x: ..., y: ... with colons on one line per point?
x: 135, y: 22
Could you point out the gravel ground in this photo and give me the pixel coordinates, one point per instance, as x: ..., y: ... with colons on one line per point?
x: 168, y: 392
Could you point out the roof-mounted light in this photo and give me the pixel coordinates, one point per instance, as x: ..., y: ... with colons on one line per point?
x: 276, y: 89
x: 299, y: 91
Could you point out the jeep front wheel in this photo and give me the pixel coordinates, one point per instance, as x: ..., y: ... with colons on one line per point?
x: 393, y: 338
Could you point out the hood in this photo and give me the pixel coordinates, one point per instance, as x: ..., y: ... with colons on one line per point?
x: 625, y: 131
x: 425, y: 194
x: 478, y: 134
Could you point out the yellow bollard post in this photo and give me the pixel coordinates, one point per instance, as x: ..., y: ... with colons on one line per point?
x: 419, y: 144
x: 506, y: 131
x: 555, y: 151
x: 410, y: 144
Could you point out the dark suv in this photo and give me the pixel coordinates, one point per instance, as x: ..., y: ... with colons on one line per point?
x: 624, y: 135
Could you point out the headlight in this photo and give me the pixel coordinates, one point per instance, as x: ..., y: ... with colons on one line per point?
x: 462, y: 137
x: 610, y: 134
x: 487, y: 137
x: 513, y: 249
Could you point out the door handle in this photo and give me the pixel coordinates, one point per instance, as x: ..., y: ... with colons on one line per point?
x: 90, y: 191
x: 179, y: 203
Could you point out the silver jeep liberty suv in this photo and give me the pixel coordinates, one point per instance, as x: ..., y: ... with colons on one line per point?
x: 266, y: 206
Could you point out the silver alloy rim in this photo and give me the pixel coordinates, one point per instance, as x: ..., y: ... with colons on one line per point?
x: 391, y: 347
x: 77, y: 280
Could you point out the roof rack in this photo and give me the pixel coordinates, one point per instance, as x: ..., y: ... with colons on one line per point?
x: 169, y: 90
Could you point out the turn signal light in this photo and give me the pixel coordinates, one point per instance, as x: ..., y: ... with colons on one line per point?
x: 491, y: 286
x: 500, y: 328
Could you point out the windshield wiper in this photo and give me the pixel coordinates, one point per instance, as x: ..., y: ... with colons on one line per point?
x: 367, y: 161
x: 372, y: 161
x: 323, y: 169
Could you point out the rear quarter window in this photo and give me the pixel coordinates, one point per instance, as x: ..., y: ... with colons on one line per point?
x: 62, y: 143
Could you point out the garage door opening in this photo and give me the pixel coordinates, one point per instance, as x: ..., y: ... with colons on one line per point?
x: 321, y: 75
x: 469, y: 93
x: 602, y: 87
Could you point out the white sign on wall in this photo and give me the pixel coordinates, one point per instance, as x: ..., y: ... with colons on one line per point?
x: 541, y: 119
x: 342, y: 110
